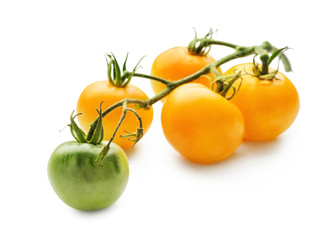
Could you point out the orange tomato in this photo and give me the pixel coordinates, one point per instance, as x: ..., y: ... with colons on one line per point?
x: 200, y: 124
x: 269, y: 106
x: 177, y: 63
x: 96, y: 92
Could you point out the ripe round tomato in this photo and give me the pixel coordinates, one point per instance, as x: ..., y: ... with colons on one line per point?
x: 200, y: 124
x: 97, y: 92
x: 80, y: 183
x: 269, y: 106
x: 177, y: 63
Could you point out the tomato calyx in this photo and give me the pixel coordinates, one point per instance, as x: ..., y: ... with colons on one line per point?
x: 201, y: 46
x: 283, y: 58
x: 95, y: 135
x: 116, y: 76
x: 261, y: 71
x: 135, y: 136
x: 222, y: 85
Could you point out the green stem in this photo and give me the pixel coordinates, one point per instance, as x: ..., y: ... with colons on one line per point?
x: 123, y: 115
x: 264, y: 60
x: 214, y: 71
x: 221, y: 43
x: 161, y: 80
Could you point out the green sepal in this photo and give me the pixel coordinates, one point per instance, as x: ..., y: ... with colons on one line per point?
x: 269, y: 76
x: 109, y: 68
x: 225, y: 83
x: 135, y: 136
x: 229, y: 85
x: 76, y: 131
x: 124, y: 65
x: 96, y: 135
x: 116, y: 71
x: 255, y: 68
x: 278, y: 52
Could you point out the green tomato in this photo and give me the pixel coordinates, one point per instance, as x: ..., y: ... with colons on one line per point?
x: 81, y: 183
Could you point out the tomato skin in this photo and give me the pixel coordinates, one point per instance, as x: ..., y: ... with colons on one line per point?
x: 269, y: 107
x: 177, y: 63
x: 96, y: 92
x: 80, y: 183
x: 200, y: 124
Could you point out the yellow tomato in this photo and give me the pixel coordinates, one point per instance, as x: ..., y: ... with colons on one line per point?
x: 177, y: 63
x: 269, y: 106
x: 97, y: 92
x: 200, y: 124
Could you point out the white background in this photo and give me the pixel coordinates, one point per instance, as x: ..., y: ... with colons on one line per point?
x: 51, y: 50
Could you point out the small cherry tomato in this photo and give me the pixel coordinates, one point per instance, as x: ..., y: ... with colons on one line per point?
x: 82, y: 184
x: 200, y: 124
x: 99, y: 91
x: 177, y: 63
x: 269, y: 106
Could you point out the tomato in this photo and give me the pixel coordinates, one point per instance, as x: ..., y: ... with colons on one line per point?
x: 200, y: 124
x: 99, y: 91
x: 80, y: 183
x: 177, y: 63
x: 269, y: 106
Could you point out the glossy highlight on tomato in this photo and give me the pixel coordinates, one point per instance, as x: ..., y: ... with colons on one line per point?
x: 99, y: 91
x: 177, y: 63
x: 200, y: 124
x: 269, y: 106
x: 82, y: 184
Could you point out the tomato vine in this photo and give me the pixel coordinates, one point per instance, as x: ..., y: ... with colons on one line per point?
x: 201, y: 46
x: 205, y: 121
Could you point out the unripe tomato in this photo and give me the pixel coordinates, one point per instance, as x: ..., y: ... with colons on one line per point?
x: 82, y: 184
x: 177, y: 63
x: 97, y: 92
x: 269, y: 106
x: 200, y: 124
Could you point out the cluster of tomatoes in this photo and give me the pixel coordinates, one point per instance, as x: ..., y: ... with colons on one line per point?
x: 199, y: 123
x: 206, y: 127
